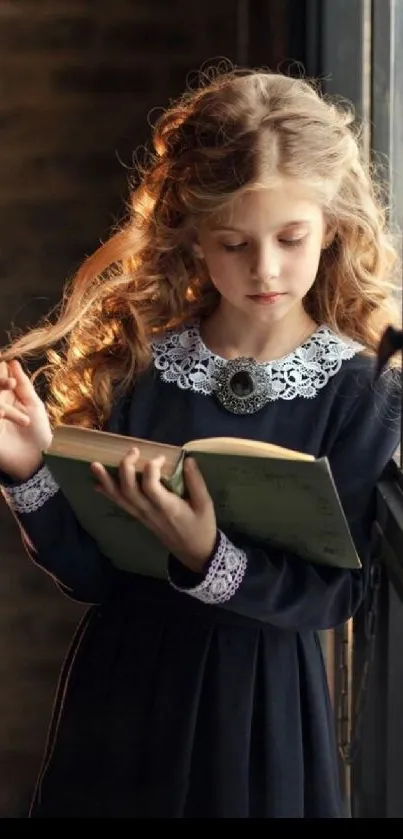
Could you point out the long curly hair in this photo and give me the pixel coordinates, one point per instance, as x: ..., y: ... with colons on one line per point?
x: 237, y: 130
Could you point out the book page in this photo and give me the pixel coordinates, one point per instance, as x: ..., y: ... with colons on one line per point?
x: 289, y: 504
x: 237, y: 445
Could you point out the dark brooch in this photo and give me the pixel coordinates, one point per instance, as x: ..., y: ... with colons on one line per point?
x: 242, y: 386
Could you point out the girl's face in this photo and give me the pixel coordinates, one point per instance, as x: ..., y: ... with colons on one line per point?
x: 263, y: 252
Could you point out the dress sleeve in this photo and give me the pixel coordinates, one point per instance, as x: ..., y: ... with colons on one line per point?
x: 285, y: 590
x: 54, y: 539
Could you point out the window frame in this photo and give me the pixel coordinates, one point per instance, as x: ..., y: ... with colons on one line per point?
x: 354, y: 47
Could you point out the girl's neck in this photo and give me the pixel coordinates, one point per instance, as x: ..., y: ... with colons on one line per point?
x: 232, y: 337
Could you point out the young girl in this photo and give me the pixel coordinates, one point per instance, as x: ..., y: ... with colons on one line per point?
x: 255, y: 233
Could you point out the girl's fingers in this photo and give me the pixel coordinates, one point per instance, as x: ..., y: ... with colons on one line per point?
x: 24, y: 388
x: 128, y: 475
x: 199, y: 496
x: 126, y: 493
x: 7, y: 383
x: 14, y: 414
x: 105, y: 480
x: 151, y: 481
x: 143, y: 498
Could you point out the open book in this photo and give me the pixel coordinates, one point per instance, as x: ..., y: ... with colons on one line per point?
x: 267, y: 493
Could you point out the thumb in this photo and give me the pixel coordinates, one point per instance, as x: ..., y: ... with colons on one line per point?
x: 199, y: 496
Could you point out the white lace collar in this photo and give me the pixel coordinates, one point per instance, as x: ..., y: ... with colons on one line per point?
x: 182, y: 358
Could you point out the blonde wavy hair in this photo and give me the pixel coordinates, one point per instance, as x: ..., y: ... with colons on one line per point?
x: 238, y: 129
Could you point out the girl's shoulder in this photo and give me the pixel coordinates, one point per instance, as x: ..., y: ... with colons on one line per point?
x: 359, y: 375
x: 366, y: 402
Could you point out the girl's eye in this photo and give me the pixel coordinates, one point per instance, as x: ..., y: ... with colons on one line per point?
x: 238, y: 247
x: 292, y: 243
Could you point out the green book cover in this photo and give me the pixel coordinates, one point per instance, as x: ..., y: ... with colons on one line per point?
x: 290, y: 504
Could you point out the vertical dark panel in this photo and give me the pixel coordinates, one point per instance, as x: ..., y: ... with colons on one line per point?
x: 277, y: 34
x: 313, y: 37
x: 343, y: 30
x: 378, y: 771
x: 394, y: 708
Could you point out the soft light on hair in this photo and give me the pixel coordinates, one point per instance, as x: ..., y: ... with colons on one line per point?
x: 239, y: 130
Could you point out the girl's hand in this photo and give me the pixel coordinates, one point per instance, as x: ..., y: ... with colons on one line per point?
x: 187, y: 528
x: 24, y: 424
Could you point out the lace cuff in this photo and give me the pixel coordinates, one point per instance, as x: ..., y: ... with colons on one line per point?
x: 224, y: 576
x: 30, y: 496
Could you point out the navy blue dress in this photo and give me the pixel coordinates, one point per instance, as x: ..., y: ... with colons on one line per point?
x: 176, y: 702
